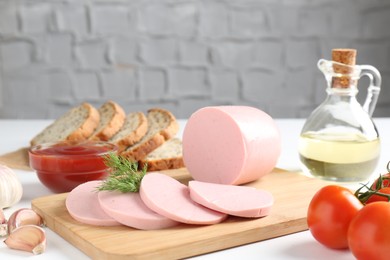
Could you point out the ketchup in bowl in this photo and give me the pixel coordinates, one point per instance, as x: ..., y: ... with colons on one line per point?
x: 63, y: 166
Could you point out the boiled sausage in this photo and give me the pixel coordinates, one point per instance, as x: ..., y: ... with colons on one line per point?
x: 234, y: 200
x: 230, y: 144
x: 128, y: 209
x: 83, y: 205
x: 170, y: 198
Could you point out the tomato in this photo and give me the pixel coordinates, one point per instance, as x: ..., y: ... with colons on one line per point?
x: 368, y: 234
x: 329, y: 214
x: 377, y: 197
x: 384, y: 181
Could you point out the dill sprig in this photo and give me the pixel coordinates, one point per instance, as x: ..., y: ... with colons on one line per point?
x: 124, y: 175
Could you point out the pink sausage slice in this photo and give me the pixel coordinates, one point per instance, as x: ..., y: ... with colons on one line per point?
x: 230, y: 144
x: 170, y: 198
x: 128, y: 209
x: 83, y: 205
x: 238, y: 201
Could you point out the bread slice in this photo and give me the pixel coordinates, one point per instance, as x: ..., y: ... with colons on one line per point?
x: 77, y: 124
x: 162, y: 125
x: 133, y: 129
x: 166, y: 157
x: 112, y: 117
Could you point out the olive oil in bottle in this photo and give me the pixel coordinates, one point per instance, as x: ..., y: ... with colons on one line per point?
x: 339, y: 140
x: 350, y: 158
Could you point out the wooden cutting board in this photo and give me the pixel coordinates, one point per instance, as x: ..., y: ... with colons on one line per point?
x: 292, y: 193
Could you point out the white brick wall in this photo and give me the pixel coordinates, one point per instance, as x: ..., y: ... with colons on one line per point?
x: 182, y: 55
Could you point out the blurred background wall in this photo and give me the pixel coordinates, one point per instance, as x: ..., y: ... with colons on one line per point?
x: 183, y: 54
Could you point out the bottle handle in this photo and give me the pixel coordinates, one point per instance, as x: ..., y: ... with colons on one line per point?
x: 373, y: 89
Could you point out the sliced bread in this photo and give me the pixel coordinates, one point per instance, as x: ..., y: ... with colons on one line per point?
x: 112, y: 117
x: 77, y: 124
x: 133, y: 129
x: 162, y: 125
x: 166, y: 157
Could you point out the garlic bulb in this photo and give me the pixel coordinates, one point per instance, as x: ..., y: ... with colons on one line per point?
x: 11, y: 189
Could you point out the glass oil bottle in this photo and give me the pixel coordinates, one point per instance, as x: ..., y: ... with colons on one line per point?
x: 339, y: 141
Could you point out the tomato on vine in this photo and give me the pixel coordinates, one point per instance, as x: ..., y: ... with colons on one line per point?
x: 382, y: 194
x: 378, y: 191
x: 382, y: 182
x: 368, y: 233
x: 329, y: 214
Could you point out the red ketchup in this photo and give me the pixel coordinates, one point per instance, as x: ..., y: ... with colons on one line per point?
x: 63, y: 166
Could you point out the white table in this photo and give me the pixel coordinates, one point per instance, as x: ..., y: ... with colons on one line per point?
x: 15, y: 134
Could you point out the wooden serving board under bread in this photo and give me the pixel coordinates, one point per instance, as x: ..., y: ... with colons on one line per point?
x: 292, y: 193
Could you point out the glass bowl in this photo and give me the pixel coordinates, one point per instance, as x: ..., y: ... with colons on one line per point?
x: 64, y: 165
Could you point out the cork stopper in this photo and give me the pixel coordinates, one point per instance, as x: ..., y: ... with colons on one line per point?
x: 347, y: 57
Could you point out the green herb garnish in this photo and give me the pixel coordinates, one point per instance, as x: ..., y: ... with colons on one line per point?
x: 124, y: 174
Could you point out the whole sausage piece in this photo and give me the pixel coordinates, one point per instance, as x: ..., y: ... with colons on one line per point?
x: 230, y: 144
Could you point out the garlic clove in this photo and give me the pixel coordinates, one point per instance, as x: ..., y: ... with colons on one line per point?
x: 3, y: 224
x: 24, y: 216
x: 28, y: 238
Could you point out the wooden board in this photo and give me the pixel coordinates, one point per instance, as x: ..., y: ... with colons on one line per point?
x: 292, y: 193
